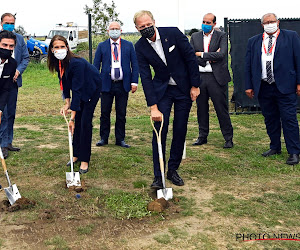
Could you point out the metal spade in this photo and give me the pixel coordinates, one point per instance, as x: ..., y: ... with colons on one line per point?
x: 166, y: 193
x: 12, y: 192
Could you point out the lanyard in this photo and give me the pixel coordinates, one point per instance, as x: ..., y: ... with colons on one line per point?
x: 208, y: 43
x: 270, y: 51
x: 113, y: 53
x: 61, y: 72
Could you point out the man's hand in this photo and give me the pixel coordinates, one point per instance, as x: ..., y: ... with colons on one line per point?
x: 0, y: 116
x: 199, y: 54
x: 71, y: 126
x: 156, y: 115
x: 133, y: 88
x: 16, y: 75
x: 250, y: 93
x: 194, y: 93
x: 298, y: 90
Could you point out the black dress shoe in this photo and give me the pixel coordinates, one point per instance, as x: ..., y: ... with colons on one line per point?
x: 271, y: 152
x: 293, y: 159
x: 5, y: 152
x: 83, y: 171
x: 74, y: 162
x: 123, y: 144
x: 200, y: 141
x: 175, y: 178
x: 101, y: 143
x: 10, y: 147
x: 157, y: 183
x: 228, y: 144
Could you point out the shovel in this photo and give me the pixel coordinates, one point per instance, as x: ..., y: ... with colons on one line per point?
x: 72, y: 178
x: 166, y: 193
x: 12, y: 191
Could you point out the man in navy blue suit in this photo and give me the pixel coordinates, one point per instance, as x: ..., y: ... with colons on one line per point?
x: 176, y: 81
x: 21, y: 55
x: 272, y: 74
x: 119, y: 74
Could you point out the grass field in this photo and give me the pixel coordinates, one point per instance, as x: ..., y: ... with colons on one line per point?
x: 227, y: 193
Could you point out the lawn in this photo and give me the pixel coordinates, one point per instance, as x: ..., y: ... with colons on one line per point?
x: 228, y: 194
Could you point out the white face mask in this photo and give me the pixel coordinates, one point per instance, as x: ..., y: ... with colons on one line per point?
x: 60, y: 54
x: 114, y: 34
x: 270, y: 28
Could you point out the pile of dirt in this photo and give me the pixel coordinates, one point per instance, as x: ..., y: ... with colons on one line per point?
x: 158, y: 205
x: 22, y: 203
x: 77, y: 189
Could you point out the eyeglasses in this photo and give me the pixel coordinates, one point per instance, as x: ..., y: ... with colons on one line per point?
x: 9, y: 23
x: 269, y: 22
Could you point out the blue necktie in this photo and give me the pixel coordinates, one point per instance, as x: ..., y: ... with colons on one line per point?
x: 117, y: 70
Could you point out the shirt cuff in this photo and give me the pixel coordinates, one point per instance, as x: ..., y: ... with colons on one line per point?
x: 134, y: 84
x: 202, y: 54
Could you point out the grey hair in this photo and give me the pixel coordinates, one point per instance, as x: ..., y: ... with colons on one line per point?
x: 268, y: 14
x: 113, y: 22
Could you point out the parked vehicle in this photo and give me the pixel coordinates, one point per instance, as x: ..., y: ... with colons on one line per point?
x: 38, y: 50
x: 72, y: 32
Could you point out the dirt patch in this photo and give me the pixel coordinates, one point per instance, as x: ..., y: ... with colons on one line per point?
x: 77, y: 189
x: 22, y: 203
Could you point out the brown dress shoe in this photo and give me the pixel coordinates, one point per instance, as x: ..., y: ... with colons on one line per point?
x: 10, y: 147
x: 5, y: 152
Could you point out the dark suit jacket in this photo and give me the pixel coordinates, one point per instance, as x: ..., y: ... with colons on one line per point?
x: 181, y: 64
x: 286, y: 62
x: 21, y: 56
x: 83, y: 79
x: 129, y: 64
x: 6, y: 81
x: 218, y: 60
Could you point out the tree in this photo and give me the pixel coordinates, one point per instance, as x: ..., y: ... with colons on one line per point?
x: 193, y: 31
x: 102, y: 14
x: 20, y: 30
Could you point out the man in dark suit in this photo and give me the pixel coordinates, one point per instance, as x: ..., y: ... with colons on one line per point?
x: 8, y: 67
x: 176, y: 81
x: 21, y: 55
x: 119, y: 74
x: 211, y: 48
x: 272, y: 74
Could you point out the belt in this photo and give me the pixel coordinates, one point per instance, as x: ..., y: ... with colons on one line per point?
x: 116, y: 81
x: 265, y: 82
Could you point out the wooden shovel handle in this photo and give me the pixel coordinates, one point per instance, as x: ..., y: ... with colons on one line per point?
x: 3, y: 161
x: 158, y: 133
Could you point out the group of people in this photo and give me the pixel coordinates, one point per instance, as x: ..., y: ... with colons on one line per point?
x: 184, y: 71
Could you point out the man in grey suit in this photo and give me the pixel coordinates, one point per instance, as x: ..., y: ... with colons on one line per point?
x: 211, y: 48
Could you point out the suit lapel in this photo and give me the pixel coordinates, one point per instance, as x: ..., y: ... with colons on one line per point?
x: 201, y: 42
x: 279, y: 42
x: 165, y: 43
x: 212, y: 41
x: 258, y: 46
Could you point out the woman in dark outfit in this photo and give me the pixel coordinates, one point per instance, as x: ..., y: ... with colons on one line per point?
x: 83, y: 79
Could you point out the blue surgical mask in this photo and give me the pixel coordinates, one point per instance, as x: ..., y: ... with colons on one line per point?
x: 9, y: 27
x: 114, y: 34
x: 206, y: 28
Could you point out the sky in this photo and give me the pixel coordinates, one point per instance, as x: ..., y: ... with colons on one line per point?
x: 38, y: 17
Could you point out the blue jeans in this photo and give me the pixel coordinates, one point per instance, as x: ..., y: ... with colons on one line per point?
x: 8, y: 118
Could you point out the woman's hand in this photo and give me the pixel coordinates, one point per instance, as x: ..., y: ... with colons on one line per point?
x: 71, y: 126
x: 65, y: 109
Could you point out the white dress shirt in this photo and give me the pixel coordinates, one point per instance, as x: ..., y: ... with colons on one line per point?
x: 265, y: 57
x: 206, y: 43
x: 116, y: 64
x: 157, y: 46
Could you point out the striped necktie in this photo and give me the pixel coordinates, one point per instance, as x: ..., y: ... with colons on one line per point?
x: 270, y: 78
x: 117, y: 70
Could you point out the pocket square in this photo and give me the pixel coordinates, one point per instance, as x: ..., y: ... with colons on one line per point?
x: 171, y: 48
x: 6, y: 76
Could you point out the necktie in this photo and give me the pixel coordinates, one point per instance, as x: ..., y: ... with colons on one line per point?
x: 270, y: 77
x: 117, y: 70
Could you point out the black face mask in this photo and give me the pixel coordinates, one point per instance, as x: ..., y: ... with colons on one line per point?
x: 5, y: 53
x: 148, y: 32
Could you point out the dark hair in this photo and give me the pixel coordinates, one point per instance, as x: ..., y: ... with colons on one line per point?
x: 7, y: 14
x: 8, y: 34
x: 53, y: 61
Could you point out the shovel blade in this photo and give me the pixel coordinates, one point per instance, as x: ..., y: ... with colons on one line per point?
x: 166, y: 193
x: 12, y: 193
x: 73, y: 179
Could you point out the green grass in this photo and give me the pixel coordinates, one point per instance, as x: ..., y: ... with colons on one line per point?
x: 225, y: 192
